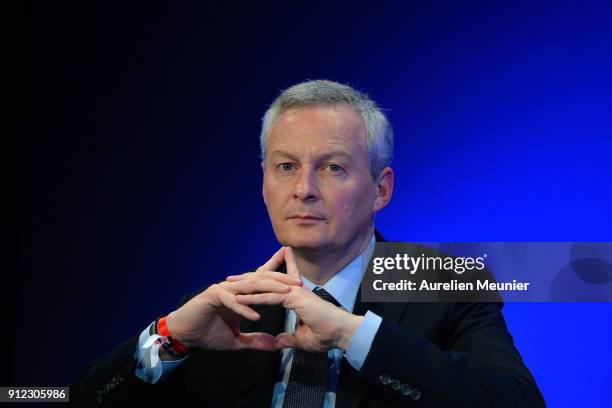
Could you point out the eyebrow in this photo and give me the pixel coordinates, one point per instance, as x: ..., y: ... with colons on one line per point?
x: 324, y: 156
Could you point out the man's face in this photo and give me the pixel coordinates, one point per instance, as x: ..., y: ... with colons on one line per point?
x: 317, y: 186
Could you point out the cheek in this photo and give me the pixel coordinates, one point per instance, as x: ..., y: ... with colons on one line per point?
x: 275, y: 201
x: 268, y: 196
x: 351, y: 203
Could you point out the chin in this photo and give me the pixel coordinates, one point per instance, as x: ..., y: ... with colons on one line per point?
x: 304, y: 239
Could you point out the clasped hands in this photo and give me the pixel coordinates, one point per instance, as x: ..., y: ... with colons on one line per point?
x: 211, y: 320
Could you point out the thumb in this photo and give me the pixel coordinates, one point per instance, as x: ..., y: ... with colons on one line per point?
x: 285, y: 340
x: 255, y: 341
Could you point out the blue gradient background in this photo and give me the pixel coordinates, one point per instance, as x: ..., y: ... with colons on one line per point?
x: 141, y: 178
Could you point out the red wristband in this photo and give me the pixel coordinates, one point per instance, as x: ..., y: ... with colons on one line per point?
x: 175, y: 345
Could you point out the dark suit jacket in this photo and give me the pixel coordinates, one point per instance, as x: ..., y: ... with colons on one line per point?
x: 454, y: 354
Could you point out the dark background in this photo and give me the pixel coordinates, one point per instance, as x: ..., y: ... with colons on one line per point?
x: 140, y: 167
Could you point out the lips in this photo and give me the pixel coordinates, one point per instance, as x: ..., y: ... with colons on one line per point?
x: 306, y: 217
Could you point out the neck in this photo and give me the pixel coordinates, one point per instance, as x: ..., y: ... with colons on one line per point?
x: 320, y: 265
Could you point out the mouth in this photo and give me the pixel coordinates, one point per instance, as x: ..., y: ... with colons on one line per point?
x: 305, y: 217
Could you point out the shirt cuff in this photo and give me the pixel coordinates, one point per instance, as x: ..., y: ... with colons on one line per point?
x: 150, y: 368
x: 359, y: 345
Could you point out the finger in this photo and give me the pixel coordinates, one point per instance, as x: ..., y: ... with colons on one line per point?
x: 261, y: 299
x: 256, y: 341
x: 279, y: 276
x: 290, y: 261
x: 274, y: 262
x: 295, y: 298
x: 249, y: 286
x: 284, y: 340
x: 229, y: 300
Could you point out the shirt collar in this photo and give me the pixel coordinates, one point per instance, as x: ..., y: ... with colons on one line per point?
x: 345, y: 284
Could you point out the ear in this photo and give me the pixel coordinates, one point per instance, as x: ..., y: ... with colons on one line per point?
x: 263, y: 184
x: 384, y: 189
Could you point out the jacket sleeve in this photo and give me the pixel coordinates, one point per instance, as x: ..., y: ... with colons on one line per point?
x: 477, y: 367
x: 111, y: 381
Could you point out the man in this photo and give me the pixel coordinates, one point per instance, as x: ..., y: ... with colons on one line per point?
x: 295, y: 332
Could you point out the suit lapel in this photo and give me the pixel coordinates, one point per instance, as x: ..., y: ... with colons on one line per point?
x: 351, y: 389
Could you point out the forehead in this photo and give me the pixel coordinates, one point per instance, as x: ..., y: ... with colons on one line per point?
x: 317, y: 128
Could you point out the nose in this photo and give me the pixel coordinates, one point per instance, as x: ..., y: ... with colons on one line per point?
x: 306, y: 188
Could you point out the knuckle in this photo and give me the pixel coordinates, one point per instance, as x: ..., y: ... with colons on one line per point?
x: 252, y: 277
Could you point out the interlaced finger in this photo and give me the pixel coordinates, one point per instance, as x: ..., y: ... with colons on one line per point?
x: 262, y: 299
x: 229, y: 300
x: 279, y: 276
x: 249, y: 286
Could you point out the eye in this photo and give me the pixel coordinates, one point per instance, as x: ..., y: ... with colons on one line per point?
x: 335, y: 168
x: 286, y: 166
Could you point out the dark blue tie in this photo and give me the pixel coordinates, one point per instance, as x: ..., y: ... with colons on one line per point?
x: 309, y: 376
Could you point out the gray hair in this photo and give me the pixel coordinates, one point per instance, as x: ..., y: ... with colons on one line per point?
x: 379, y: 134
